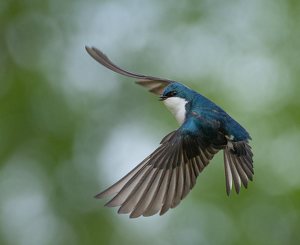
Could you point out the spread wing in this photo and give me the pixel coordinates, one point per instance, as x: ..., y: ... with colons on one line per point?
x: 164, y: 178
x: 156, y: 85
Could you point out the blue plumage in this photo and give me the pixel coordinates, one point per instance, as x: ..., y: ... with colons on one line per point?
x: 208, y: 114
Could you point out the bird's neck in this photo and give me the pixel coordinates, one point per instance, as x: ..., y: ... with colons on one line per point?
x: 178, y: 108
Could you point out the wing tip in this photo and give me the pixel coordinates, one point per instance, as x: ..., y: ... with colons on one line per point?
x: 134, y: 216
x: 99, y: 196
x: 163, y: 211
x: 89, y: 49
x: 228, y: 190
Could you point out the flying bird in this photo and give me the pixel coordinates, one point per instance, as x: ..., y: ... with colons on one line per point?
x: 167, y: 175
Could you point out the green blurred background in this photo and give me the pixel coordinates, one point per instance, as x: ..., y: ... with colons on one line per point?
x: 69, y: 128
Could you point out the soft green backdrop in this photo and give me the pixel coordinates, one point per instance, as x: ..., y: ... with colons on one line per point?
x: 70, y: 128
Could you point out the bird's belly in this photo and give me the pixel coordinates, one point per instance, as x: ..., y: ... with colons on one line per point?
x: 177, y: 107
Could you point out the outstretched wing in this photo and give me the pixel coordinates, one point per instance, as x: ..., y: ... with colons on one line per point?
x: 164, y: 178
x: 156, y: 85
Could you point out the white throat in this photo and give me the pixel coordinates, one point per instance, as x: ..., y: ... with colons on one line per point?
x: 177, y: 106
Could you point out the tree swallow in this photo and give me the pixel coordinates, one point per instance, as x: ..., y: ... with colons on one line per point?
x: 167, y: 175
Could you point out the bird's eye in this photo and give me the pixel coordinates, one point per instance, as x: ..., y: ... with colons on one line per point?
x: 171, y: 94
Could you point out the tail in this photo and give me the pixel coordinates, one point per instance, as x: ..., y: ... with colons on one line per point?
x: 238, y: 164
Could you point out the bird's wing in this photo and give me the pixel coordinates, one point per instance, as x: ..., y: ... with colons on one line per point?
x: 238, y: 165
x: 156, y: 85
x: 164, y: 178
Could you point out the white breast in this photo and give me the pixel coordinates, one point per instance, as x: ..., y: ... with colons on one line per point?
x: 177, y: 106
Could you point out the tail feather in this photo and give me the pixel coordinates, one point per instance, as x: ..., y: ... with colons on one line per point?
x: 238, y: 165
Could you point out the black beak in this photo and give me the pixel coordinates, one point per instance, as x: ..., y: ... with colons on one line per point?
x: 162, y: 97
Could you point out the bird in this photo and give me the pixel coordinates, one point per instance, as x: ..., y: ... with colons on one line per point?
x: 167, y: 175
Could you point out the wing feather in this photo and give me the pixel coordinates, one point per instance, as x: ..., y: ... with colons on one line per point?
x: 155, y: 84
x: 128, y: 188
x: 162, y: 180
x: 179, y: 186
x: 156, y: 202
x: 147, y: 196
x: 122, y: 182
x: 170, y: 192
x: 137, y: 192
x: 187, y: 182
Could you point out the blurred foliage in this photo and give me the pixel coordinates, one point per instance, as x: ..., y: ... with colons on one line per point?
x: 69, y: 128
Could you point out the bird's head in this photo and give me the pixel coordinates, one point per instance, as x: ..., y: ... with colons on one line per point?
x: 175, y: 97
x: 177, y: 90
